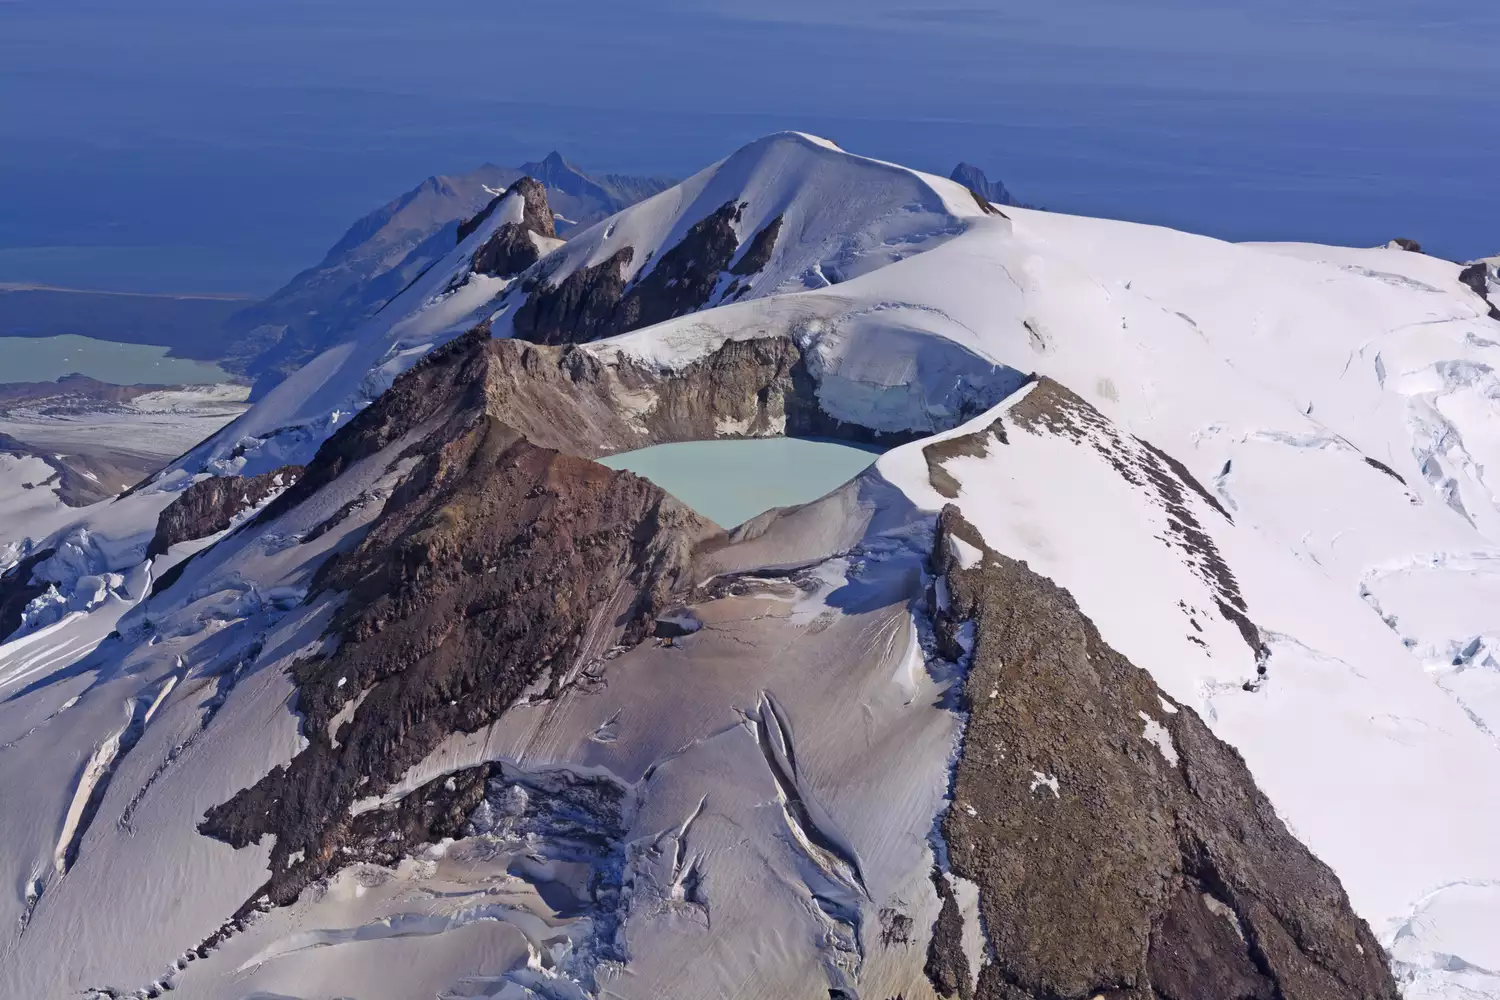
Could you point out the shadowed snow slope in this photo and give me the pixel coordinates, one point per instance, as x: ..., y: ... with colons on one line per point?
x: 1265, y: 475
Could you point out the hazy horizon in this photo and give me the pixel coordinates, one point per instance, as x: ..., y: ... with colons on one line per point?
x: 172, y: 146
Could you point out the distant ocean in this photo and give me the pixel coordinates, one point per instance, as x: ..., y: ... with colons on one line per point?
x: 169, y: 145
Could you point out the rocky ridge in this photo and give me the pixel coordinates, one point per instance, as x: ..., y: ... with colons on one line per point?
x: 210, y: 505
x: 597, y: 301
x: 1119, y: 847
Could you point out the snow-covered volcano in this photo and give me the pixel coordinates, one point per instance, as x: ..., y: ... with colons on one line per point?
x: 1157, y: 656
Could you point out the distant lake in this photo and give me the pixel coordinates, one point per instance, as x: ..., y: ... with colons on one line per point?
x: 43, y: 359
x: 731, y: 481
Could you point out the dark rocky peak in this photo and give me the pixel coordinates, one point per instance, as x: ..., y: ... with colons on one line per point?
x: 1477, y: 277
x: 512, y: 248
x: 1402, y: 243
x: 536, y: 214
x: 1120, y: 848
x: 975, y: 180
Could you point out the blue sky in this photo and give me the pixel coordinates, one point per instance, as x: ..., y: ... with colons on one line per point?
x: 205, y: 145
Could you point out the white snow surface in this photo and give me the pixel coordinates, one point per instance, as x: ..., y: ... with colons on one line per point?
x: 1278, y: 375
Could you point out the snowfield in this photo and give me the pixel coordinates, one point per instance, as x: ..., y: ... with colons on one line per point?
x: 1339, y: 408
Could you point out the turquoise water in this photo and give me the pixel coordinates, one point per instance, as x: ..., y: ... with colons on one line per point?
x: 42, y: 359
x: 730, y: 482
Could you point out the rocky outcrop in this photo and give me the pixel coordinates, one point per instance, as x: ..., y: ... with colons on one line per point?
x: 17, y: 590
x: 1402, y: 243
x: 1476, y: 276
x: 383, y: 253
x: 576, y: 401
x: 579, y: 308
x: 683, y: 278
x: 1119, y: 847
x: 758, y: 254
x: 536, y: 214
x: 211, y: 505
x: 513, y: 247
x: 509, y: 251
x: 596, y: 302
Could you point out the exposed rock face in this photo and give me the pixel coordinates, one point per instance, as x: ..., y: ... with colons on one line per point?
x: 1402, y: 243
x: 496, y: 567
x: 536, y: 214
x: 1119, y: 847
x: 1476, y: 276
x: 581, y: 199
x: 572, y: 400
x: 758, y: 254
x: 579, y: 308
x: 683, y: 278
x: 512, y: 248
x: 210, y: 505
x: 17, y: 590
x: 596, y: 302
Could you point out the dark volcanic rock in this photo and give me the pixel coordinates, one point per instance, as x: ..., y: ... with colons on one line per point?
x: 595, y: 302
x: 947, y: 966
x: 683, y: 278
x: 17, y: 590
x: 210, y: 505
x: 1476, y: 277
x: 450, y: 375
x: 536, y: 215
x: 758, y: 254
x: 511, y: 249
x: 1402, y: 243
x: 1153, y: 869
x: 579, y: 308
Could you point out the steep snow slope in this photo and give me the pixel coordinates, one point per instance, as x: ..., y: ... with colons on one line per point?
x: 1265, y: 473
